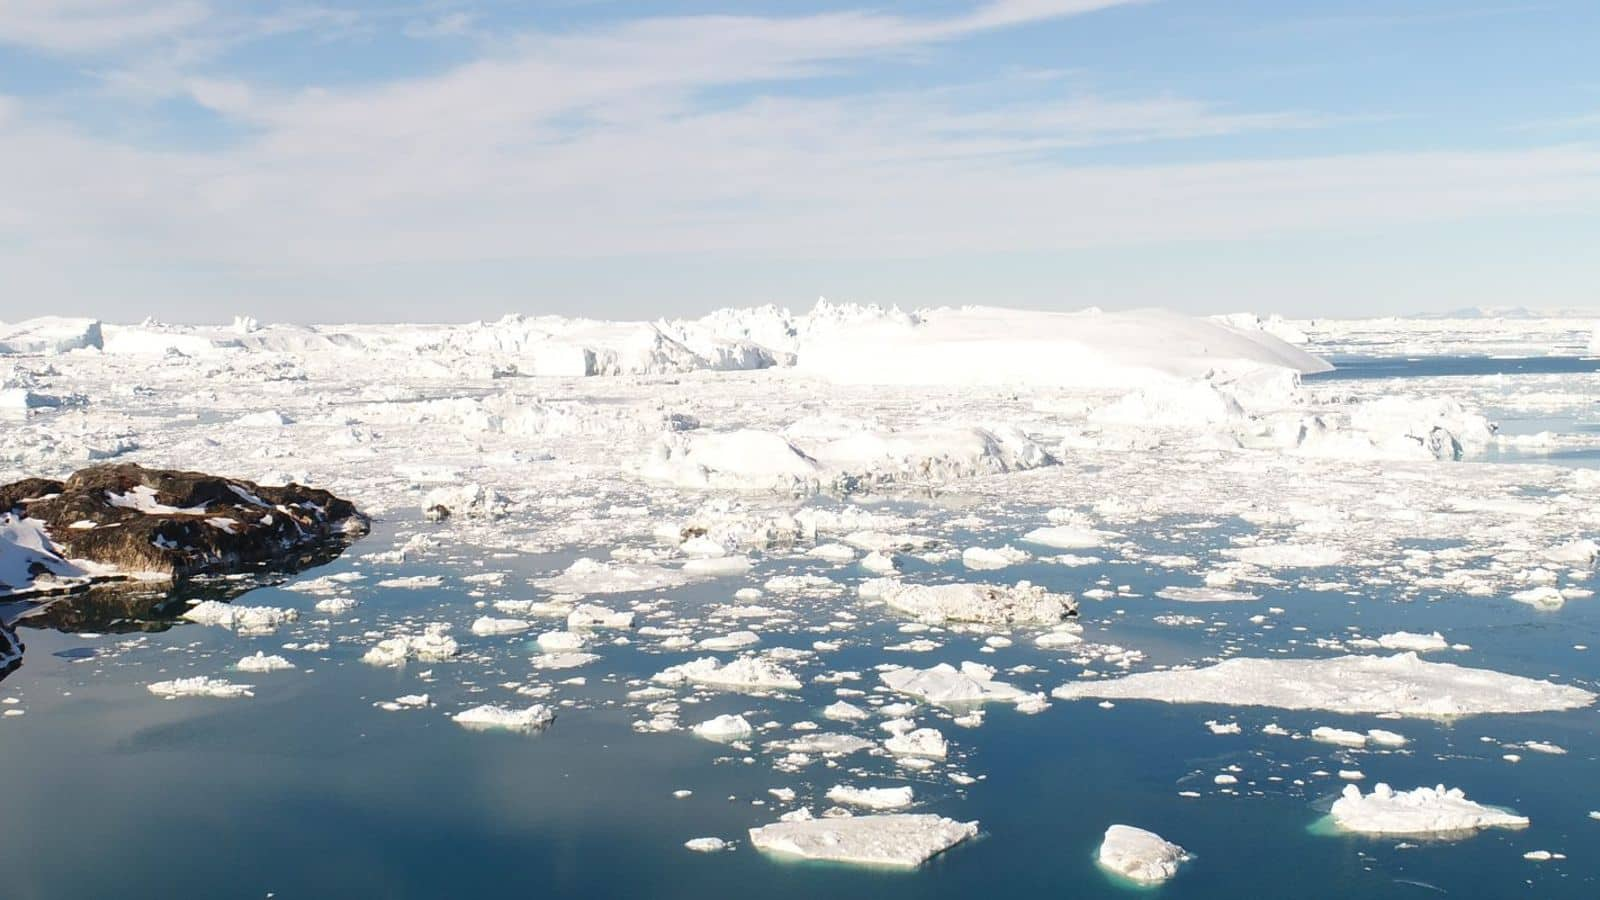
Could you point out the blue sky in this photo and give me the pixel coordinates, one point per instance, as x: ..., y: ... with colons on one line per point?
x: 451, y: 160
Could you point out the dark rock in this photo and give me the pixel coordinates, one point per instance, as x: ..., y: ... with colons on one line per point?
x: 437, y: 513
x: 10, y: 651
x: 180, y: 523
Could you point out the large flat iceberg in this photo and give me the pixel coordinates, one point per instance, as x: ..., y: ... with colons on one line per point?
x: 884, y: 840
x: 1088, y: 349
x: 1402, y: 684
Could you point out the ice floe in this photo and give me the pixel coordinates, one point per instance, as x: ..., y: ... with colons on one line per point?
x: 1022, y: 604
x: 897, y: 839
x: 1139, y: 855
x: 1402, y: 684
x: 489, y: 717
x: 1424, y: 811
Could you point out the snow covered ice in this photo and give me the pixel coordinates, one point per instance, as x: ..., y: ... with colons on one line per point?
x: 1139, y: 855
x: 1403, y: 684
x: 898, y: 839
x: 1424, y: 811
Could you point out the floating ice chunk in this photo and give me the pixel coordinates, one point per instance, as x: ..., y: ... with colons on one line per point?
x: 1224, y: 727
x: 944, y: 684
x: 989, y: 558
x: 433, y: 644
x: 260, y: 662
x: 560, y: 640
x: 244, y: 619
x: 897, y: 839
x: 488, y: 717
x: 1068, y: 537
x: 724, y: 728
x: 1543, y: 596
x: 880, y: 563
x: 413, y: 582
x: 871, y: 798
x: 485, y: 625
x: 717, y: 567
x: 1402, y: 684
x: 734, y: 641
x: 1386, y: 738
x: 1416, y: 643
x: 336, y: 605
x: 832, y: 552
x: 1542, y: 747
x: 924, y: 742
x: 990, y: 604
x: 1052, y: 640
x: 200, y: 686
x: 1283, y: 556
x: 1576, y: 553
x: 563, y: 660
x: 1205, y: 595
x: 826, y: 742
x: 750, y: 672
x: 590, y: 576
x: 1139, y: 855
x: 1338, y: 736
x: 706, y: 844
x: 1421, y: 811
x: 703, y: 546
x: 586, y: 615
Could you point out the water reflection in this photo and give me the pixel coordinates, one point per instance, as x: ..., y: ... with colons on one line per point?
x: 130, y: 606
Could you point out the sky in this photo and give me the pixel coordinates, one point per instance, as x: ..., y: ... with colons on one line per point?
x: 450, y: 160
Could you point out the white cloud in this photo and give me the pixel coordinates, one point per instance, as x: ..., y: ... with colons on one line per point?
x: 81, y: 26
x: 603, y: 142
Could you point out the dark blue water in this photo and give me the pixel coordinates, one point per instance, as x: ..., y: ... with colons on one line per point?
x: 306, y: 790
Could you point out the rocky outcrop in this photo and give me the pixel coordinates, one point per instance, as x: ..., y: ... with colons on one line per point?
x: 137, y: 520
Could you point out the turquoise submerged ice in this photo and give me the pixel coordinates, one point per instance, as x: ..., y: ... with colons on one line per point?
x: 860, y: 635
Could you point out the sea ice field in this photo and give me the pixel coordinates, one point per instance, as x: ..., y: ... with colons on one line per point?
x: 853, y: 602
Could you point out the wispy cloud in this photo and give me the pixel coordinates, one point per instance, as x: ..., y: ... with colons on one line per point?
x: 619, y: 139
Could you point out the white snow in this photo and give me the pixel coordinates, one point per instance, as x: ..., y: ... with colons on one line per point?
x: 25, y: 547
x: 1091, y: 349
